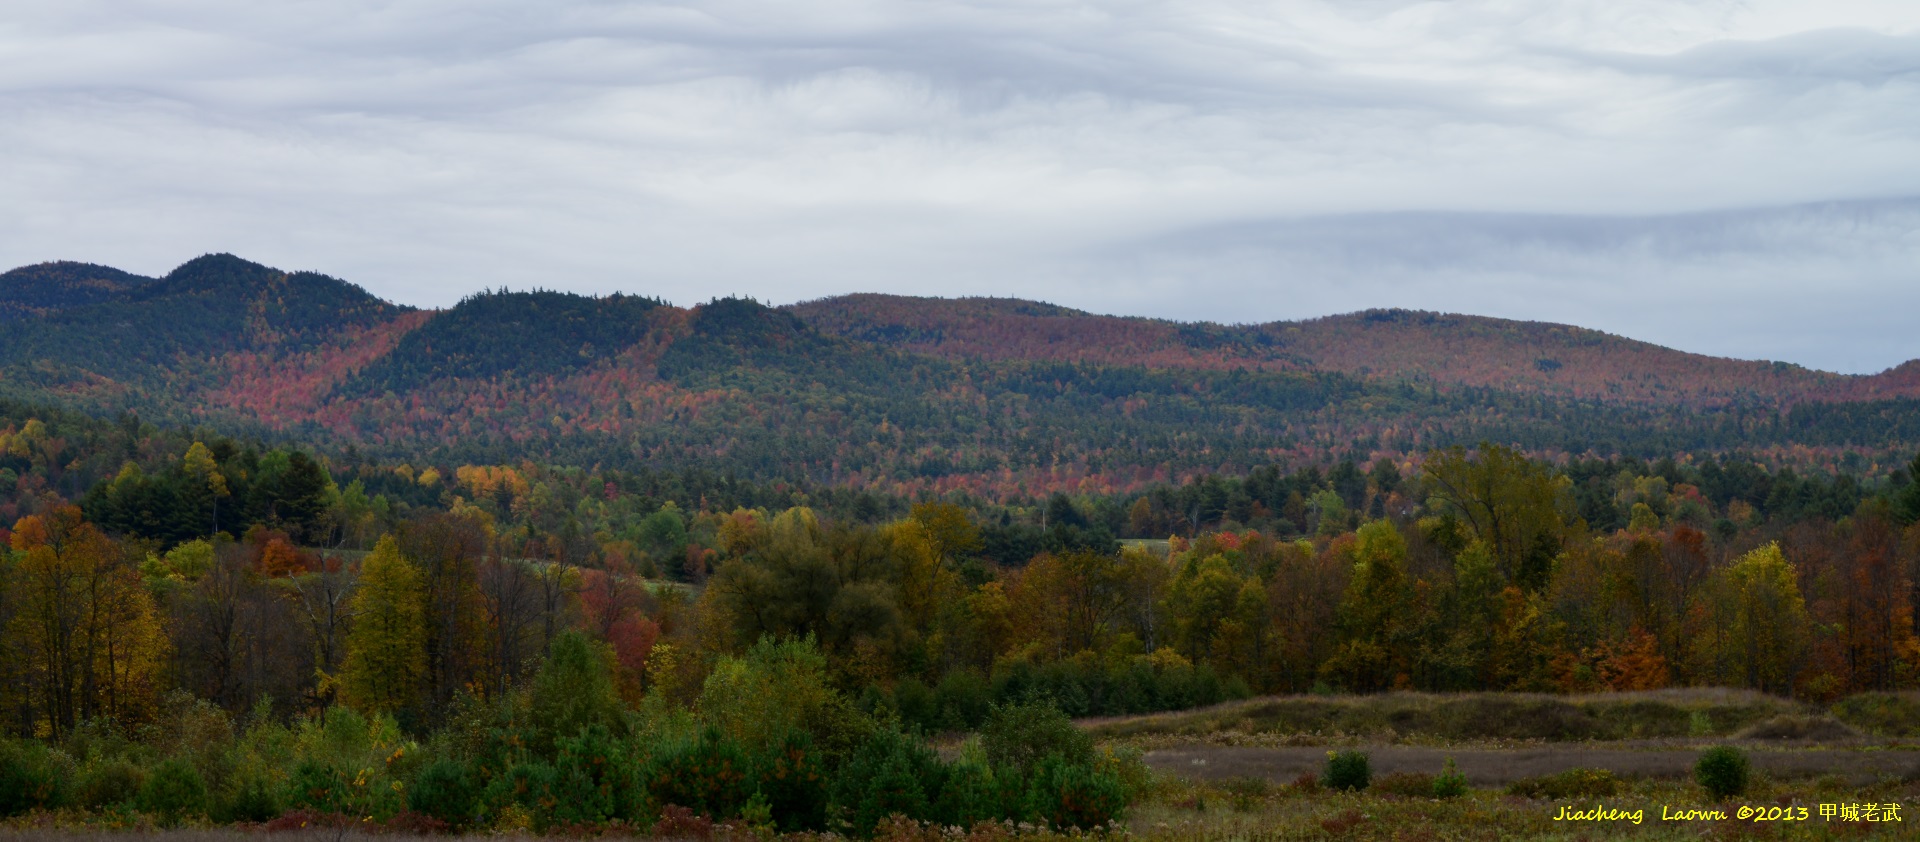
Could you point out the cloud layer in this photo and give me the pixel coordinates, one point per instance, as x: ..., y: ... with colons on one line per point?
x: 1726, y: 177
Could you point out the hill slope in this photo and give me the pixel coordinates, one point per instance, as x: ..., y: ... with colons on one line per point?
x: 1004, y: 398
x: 1391, y: 345
x: 44, y: 288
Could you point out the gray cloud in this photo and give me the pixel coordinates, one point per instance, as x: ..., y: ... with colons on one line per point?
x: 1721, y: 176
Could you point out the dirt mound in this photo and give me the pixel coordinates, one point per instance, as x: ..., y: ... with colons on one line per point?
x: 1820, y: 729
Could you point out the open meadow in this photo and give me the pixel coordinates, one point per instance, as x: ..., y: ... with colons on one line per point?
x: 1530, y: 767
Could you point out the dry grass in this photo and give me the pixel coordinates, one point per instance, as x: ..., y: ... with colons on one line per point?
x: 1888, y: 715
x: 1822, y: 730
x: 1498, y: 767
x: 1467, y: 717
x: 1209, y: 811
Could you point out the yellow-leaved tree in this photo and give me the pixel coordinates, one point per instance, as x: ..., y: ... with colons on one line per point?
x: 200, y: 464
x: 387, y: 647
x: 86, y: 633
x: 1750, y: 624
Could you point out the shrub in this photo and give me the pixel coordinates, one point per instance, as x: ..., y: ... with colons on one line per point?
x: 593, y: 782
x: 1722, y: 771
x: 1450, y: 783
x: 677, y: 822
x: 31, y: 777
x: 1573, y: 783
x: 526, y: 790
x: 1306, y: 783
x: 1347, y: 770
x: 1067, y: 795
x: 1128, y: 764
x: 964, y: 700
x: 916, y: 704
x: 893, y: 789
x: 573, y: 689
x: 780, y: 686
x: 318, y: 787
x: 892, y: 772
x: 793, y: 781
x: 708, y: 775
x: 111, y: 783
x: 173, y: 791
x: 252, y: 800
x: 1020, y: 735
x: 444, y: 790
x: 970, y: 796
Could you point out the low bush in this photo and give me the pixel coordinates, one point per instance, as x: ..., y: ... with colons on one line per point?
x: 444, y: 790
x: 1067, y: 795
x: 677, y: 822
x: 892, y: 772
x: 251, y: 799
x: 1450, y: 783
x: 709, y: 775
x: 1347, y: 770
x: 916, y: 704
x: 793, y: 781
x: 1129, y: 765
x: 525, y: 790
x: 1723, y: 771
x: 32, y: 777
x: 964, y: 699
x: 110, y: 784
x: 1306, y: 783
x: 318, y: 787
x: 593, y: 781
x: 973, y: 794
x: 1021, y: 735
x: 173, y: 792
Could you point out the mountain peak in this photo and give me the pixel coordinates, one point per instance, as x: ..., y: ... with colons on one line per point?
x: 215, y: 272
x: 44, y: 288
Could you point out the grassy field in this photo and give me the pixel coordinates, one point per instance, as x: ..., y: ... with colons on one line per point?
x: 1250, y: 769
x: 1420, y: 718
x: 1247, y: 809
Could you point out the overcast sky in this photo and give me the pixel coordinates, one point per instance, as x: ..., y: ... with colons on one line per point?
x: 1736, y: 177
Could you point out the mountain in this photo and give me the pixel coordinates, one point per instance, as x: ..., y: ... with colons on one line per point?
x: 1383, y: 345
x: 44, y: 288
x: 997, y: 397
x: 203, y: 328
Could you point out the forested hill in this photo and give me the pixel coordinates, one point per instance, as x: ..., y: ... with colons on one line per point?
x: 44, y: 288
x: 1001, y: 398
x: 1385, y: 345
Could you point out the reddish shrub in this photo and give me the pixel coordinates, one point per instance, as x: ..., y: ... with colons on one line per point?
x: 677, y: 822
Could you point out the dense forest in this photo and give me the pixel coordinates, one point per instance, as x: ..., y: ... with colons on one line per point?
x: 901, y: 397
x: 225, y: 627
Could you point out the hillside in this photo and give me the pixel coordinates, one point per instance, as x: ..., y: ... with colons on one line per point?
x: 999, y: 397
x: 44, y: 288
x: 1390, y: 345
